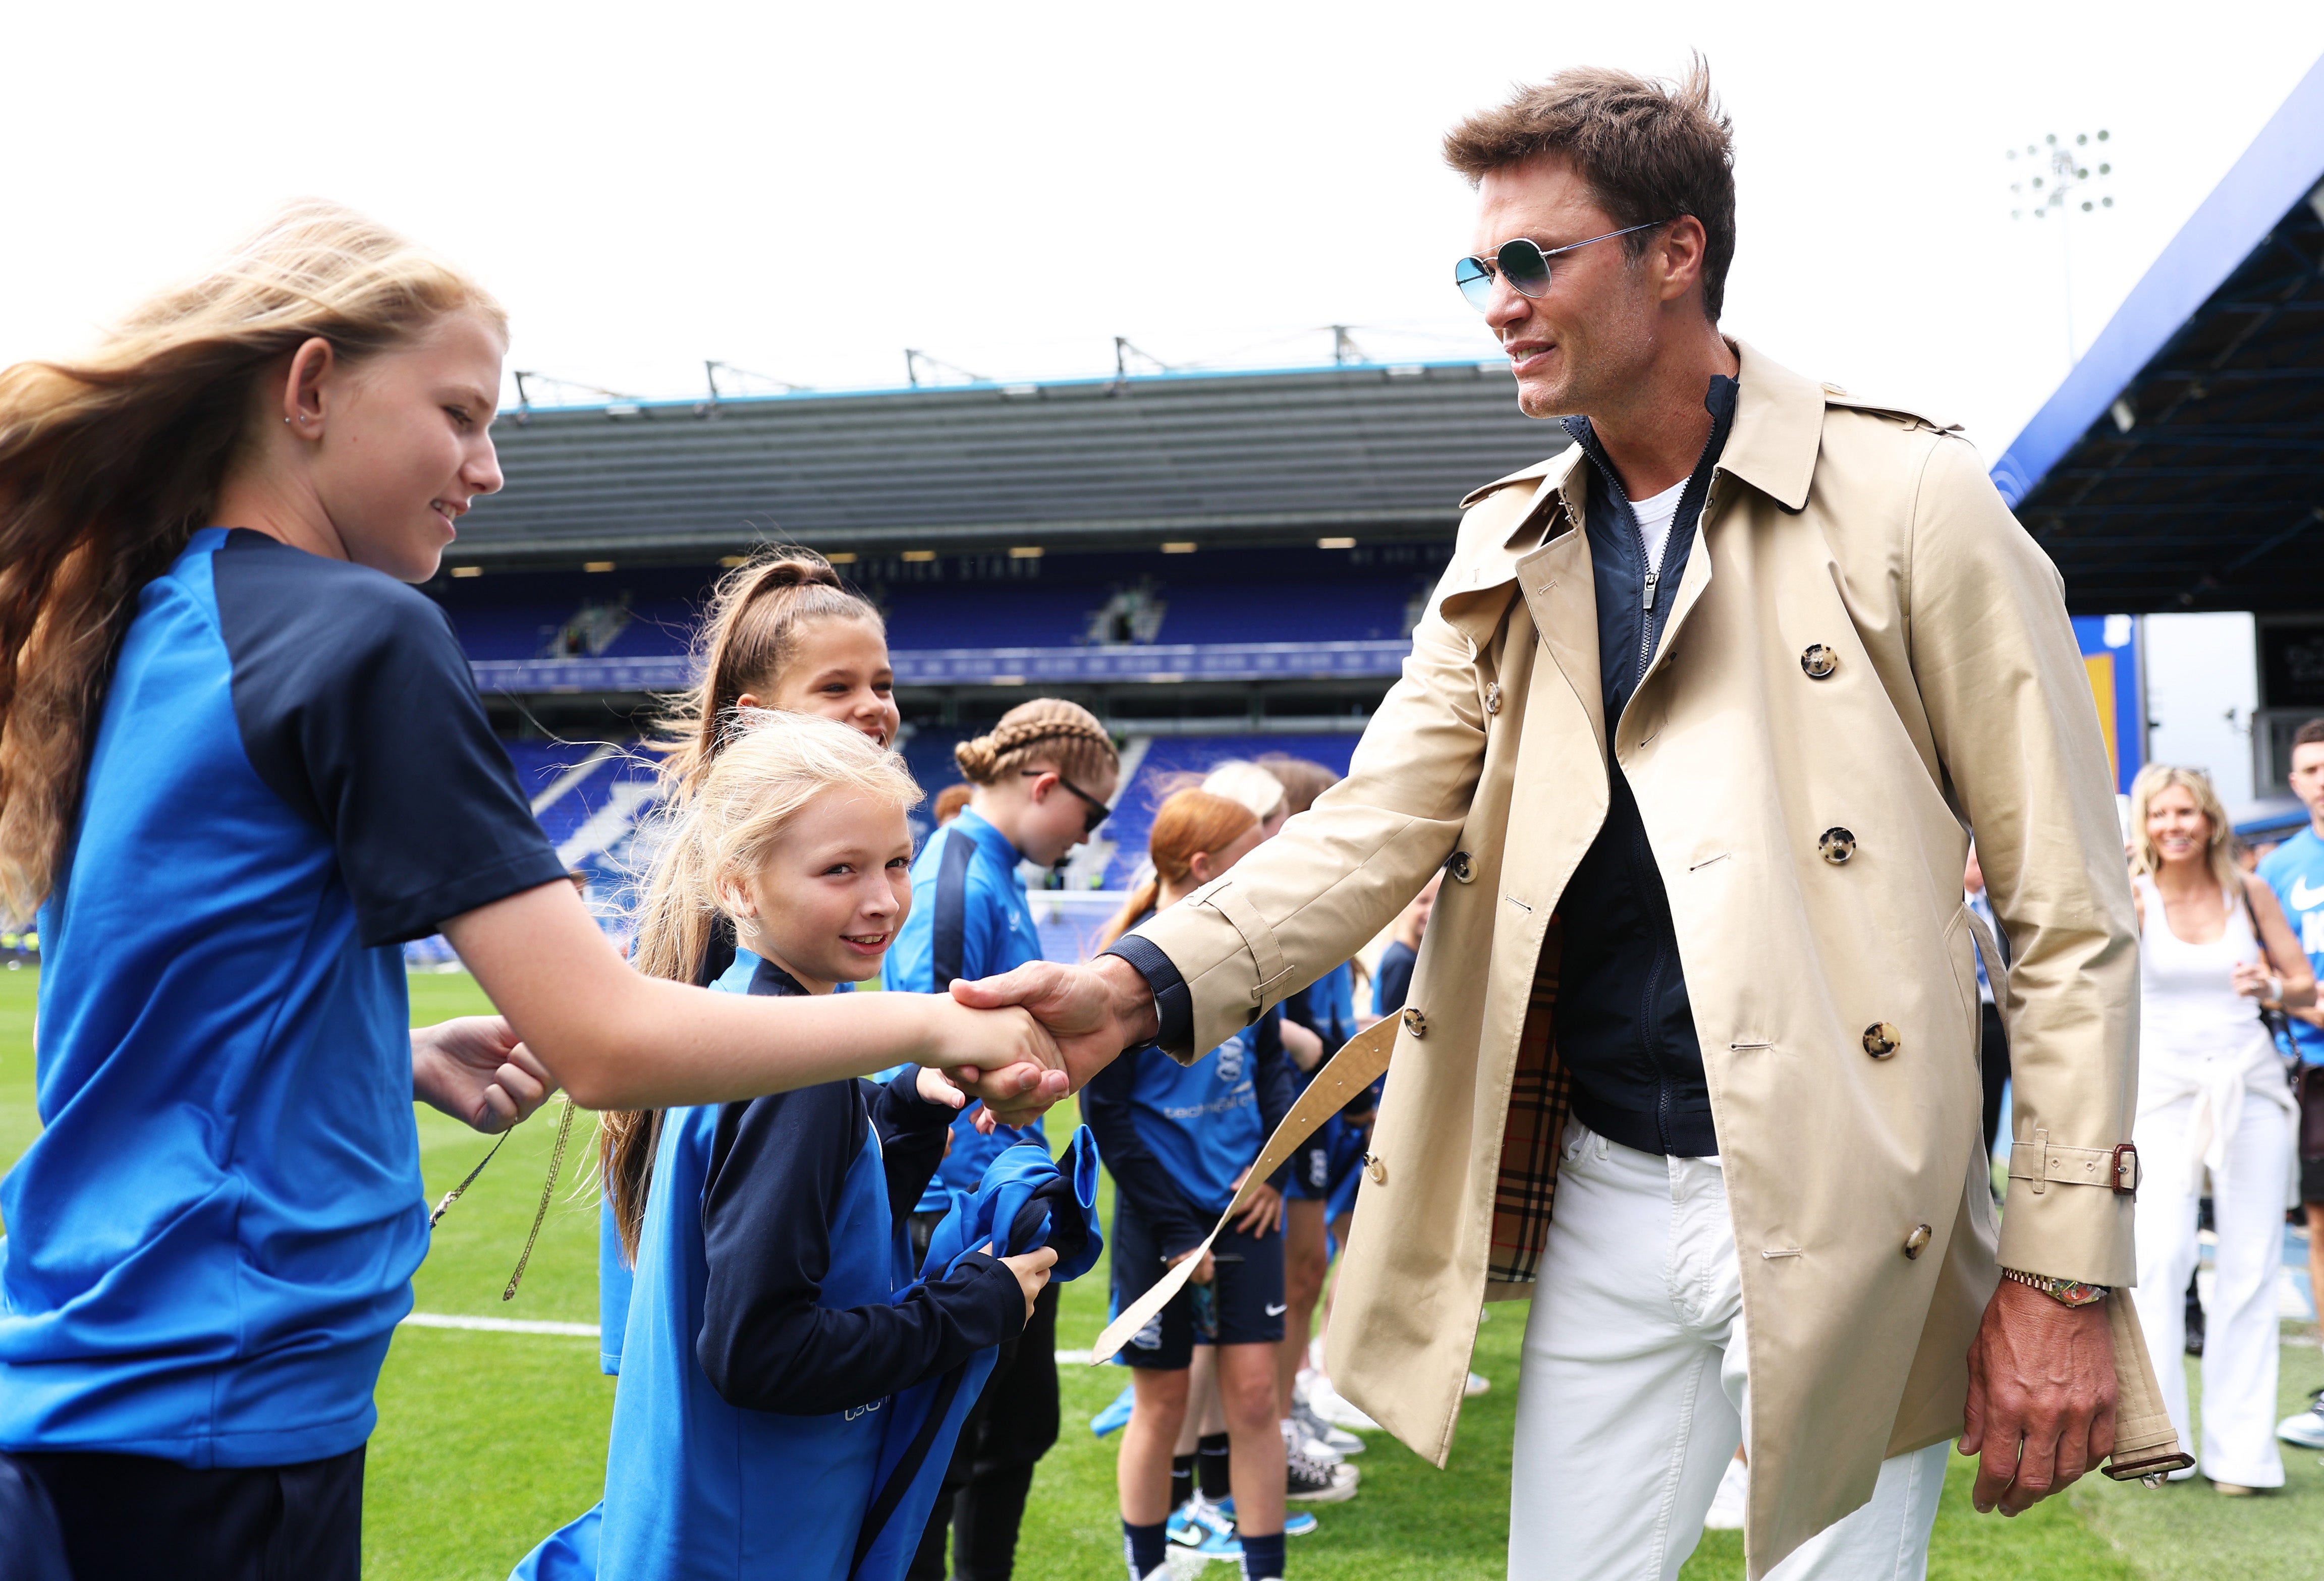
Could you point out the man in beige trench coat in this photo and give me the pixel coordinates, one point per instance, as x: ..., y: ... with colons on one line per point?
x: 1695, y: 724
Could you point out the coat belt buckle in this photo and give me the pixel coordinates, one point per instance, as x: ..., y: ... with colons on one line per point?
x: 2123, y: 1172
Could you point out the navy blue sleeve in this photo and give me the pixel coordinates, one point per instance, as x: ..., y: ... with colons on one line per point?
x: 960, y: 941
x: 1395, y: 978
x: 778, y: 1167
x: 1138, y: 1175
x: 1273, y: 1084
x: 912, y: 1132
x: 358, y: 709
x: 1173, y: 1002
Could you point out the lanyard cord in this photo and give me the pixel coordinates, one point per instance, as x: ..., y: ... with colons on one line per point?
x: 453, y: 1195
x: 547, y: 1189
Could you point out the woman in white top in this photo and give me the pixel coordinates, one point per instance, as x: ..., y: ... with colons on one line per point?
x: 2211, y: 1099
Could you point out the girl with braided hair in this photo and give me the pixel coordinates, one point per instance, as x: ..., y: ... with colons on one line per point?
x: 1041, y: 781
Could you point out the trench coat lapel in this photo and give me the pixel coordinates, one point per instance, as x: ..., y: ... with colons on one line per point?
x: 1555, y: 581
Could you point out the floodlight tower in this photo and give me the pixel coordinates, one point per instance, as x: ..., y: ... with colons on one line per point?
x: 2062, y: 174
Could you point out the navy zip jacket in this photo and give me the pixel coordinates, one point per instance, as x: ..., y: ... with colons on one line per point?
x: 778, y: 1168
x: 1624, y: 1025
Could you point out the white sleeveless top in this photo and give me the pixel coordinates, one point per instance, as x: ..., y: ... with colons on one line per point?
x: 2197, y: 1036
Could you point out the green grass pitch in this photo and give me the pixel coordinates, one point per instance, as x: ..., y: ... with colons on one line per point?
x: 487, y: 1441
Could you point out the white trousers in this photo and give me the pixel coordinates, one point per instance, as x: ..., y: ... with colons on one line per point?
x: 1634, y: 1394
x: 2240, y: 1332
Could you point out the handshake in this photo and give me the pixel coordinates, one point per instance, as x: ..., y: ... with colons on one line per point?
x: 1027, y: 1038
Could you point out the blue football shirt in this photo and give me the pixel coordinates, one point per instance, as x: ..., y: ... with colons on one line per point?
x: 211, y: 1242
x: 970, y: 919
x: 2295, y: 871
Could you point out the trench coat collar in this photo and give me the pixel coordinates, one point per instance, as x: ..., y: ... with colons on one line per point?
x: 1773, y: 445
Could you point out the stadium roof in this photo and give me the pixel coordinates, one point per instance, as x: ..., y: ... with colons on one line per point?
x: 1368, y: 451
x: 2180, y: 466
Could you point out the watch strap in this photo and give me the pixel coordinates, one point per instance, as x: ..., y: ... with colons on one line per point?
x: 2065, y: 1292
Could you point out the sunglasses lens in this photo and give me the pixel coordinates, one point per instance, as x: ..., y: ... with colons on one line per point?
x: 1526, y: 268
x: 1475, y: 280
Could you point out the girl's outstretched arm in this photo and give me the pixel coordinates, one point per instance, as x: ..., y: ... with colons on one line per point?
x: 616, y: 1040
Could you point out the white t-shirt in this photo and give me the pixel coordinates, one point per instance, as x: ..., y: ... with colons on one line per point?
x: 1655, y: 521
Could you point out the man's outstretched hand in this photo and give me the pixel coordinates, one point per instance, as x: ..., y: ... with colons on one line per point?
x: 2041, y: 1397
x: 1094, y: 1012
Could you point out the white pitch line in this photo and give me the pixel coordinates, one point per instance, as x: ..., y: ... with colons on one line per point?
x: 1065, y: 1358
x: 501, y: 1325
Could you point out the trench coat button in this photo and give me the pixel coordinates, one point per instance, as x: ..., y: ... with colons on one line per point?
x: 1492, y: 697
x: 1463, y: 868
x: 1377, y: 1168
x: 1882, y: 1040
x: 1414, y: 1021
x: 1837, y: 845
x: 1818, y: 661
x: 1917, y: 1240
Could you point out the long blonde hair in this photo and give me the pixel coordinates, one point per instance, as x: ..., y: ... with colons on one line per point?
x: 108, y: 464
x: 747, y: 638
x: 2220, y: 850
x: 1188, y: 821
x: 764, y: 774
x: 1047, y: 730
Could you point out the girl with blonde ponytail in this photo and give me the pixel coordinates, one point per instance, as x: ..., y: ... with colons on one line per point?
x: 769, y: 1317
x: 240, y: 762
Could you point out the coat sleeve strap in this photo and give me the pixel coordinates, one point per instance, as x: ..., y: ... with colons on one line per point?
x: 1266, y: 951
x: 2046, y: 1162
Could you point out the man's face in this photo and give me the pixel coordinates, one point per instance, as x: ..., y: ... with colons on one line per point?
x: 2307, y: 776
x: 1594, y: 331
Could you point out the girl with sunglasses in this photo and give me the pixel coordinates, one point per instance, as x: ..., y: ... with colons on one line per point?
x: 1041, y: 783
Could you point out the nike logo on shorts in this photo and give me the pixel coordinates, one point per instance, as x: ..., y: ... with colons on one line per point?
x: 1276, y: 1311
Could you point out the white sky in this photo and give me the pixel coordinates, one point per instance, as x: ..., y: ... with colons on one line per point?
x: 808, y: 189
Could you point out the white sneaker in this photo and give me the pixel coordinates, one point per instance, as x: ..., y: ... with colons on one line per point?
x: 1297, y: 1440
x: 1727, y: 1505
x: 2307, y: 1429
x: 1477, y: 1384
x: 1334, y: 1408
x: 1338, y: 1439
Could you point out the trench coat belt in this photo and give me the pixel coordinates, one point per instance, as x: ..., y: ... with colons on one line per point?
x: 1348, y: 1073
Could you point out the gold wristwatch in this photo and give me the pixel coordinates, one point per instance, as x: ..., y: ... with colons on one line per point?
x: 2065, y: 1292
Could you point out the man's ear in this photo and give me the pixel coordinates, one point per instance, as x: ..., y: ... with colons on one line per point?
x: 1681, y: 246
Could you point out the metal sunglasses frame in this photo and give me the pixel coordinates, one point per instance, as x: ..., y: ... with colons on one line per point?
x: 1488, y: 269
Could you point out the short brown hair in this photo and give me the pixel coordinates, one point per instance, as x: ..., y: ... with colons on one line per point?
x: 1650, y: 151
x: 2309, y: 734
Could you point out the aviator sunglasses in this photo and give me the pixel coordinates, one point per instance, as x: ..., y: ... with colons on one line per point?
x: 1523, y: 264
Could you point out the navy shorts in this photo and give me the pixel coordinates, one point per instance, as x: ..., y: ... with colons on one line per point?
x: 1246, y: 1294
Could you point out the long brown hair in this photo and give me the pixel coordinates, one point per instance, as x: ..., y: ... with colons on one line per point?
x: 1047, y: 730
x: 756, y: 784
x: 1187, y: 822
x: 748, y: 637
x: 108, y: 464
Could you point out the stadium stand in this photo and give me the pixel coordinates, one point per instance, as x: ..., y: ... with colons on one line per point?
x: 1219, y: 565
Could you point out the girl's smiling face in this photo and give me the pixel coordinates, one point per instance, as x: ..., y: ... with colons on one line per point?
x: 834, y: 887
x: 840, y: 671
